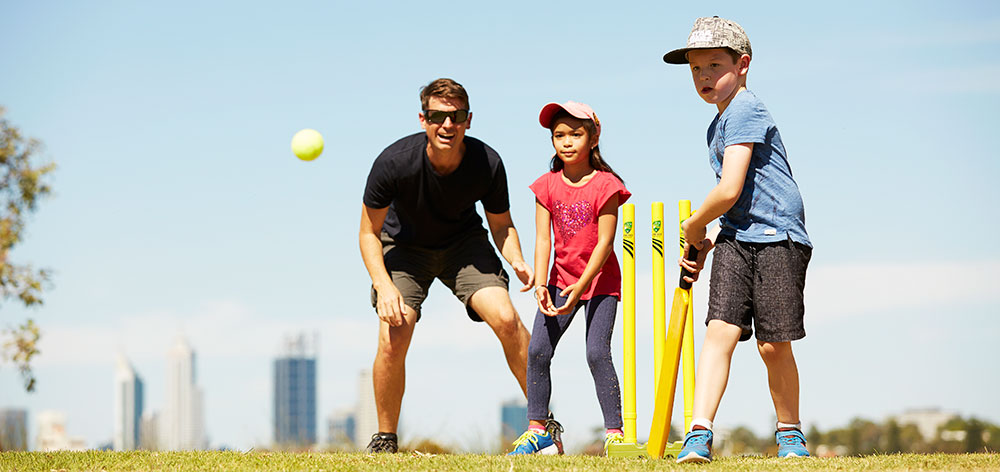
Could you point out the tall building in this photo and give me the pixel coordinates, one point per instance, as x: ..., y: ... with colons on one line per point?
x: 13, y: 429
x: 365, y: 414
x: 52, y: 433
x: 513, y: 420
x: 149, y: 431
x: 340, y: 429
x: 182, y: 422
x: 295, y: 394
x: 127, y: 407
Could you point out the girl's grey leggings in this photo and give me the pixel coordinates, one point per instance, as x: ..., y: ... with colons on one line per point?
x: 545, y: 334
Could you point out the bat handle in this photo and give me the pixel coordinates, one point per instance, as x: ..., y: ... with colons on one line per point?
x: 692, y: 256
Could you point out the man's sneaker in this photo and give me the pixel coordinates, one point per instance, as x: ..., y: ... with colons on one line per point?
x: 555, y: 430
x: 532, y: 442
x: 791, y: 443
x: 383, y: 442
x: 612, y: 438
x: 697, y: 447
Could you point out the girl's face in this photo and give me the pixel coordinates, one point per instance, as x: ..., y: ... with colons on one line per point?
x: 571, y: 140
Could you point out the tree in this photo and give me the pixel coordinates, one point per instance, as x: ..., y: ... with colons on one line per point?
x: 22, y: 185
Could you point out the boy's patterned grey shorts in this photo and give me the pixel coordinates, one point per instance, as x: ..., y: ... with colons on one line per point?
x: 759, y: 284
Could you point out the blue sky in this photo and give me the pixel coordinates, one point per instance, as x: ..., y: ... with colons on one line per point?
x: 179, y: 208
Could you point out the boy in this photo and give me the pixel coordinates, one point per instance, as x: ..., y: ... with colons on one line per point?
x: 761, y: 246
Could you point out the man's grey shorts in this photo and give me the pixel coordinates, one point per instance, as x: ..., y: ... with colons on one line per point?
x: 759, y: 284
x: 465, y: 267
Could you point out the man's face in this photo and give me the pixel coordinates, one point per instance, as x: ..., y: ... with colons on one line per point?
x: 448, y: 135
x: 716, y: 78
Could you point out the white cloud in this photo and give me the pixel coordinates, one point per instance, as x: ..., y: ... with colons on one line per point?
x: 852, y: 289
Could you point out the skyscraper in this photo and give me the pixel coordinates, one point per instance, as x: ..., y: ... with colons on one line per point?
x: 340, y: 429
x: 128, y: 406
x: 13, y: 429
x: 295, y: 394
x: 183, y: 423
x: 365, y: 416
x: 513, y: 420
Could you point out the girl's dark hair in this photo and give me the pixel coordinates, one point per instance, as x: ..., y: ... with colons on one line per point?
x: 596, y: 161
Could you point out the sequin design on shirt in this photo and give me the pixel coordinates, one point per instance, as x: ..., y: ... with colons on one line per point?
x: 570, y: 219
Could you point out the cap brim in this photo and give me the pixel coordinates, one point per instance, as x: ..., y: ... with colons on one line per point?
x: 548, y: 111
x: 677, y: 56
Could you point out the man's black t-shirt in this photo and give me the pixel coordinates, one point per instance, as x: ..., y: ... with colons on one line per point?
x: 430, y: 210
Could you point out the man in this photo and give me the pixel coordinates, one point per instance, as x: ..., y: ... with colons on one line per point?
x: 418, y: 223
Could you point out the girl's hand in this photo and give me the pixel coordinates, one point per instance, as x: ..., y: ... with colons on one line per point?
x: 524, y: 274
x: 544, y: 301
x: 573, y: 294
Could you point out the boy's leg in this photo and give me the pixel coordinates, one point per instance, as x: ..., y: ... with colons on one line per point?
x: 712, y: 373
x: 782, y: 378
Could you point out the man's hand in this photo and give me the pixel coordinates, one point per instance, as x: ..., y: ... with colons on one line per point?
x: 524, y: 274
x: 389, y: 305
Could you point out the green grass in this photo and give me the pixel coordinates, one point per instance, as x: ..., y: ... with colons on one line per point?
x: 280, y: 461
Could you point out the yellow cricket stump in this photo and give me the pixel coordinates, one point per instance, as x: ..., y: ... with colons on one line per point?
x: 631, y: 446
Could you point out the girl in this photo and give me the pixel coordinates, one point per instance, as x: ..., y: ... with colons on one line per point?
x: 580, y: 197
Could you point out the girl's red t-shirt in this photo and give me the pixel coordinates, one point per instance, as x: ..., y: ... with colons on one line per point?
x: 574, y: 212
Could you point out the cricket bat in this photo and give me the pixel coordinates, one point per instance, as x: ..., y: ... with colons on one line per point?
x: 664, y: 406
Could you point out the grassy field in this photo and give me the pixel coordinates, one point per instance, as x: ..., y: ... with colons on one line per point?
x: 263, y: 461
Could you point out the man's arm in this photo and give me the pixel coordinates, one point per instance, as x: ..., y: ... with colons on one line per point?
x: 506, y: 240
x: 389, y: 302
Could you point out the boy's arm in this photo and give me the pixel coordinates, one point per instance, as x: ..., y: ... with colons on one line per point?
x: 389, y: 302
x: 735, y: 163
x: 506, y: 240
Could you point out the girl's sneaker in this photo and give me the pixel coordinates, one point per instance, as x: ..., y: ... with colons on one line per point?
x: 697, y: 447
x: 791, y: 443
x: 532, y: 442
x: 612, y: 438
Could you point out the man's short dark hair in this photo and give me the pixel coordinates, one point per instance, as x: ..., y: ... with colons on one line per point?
x: 443, y: 88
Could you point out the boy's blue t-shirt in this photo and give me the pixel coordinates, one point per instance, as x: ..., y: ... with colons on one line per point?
x: 770, y: 207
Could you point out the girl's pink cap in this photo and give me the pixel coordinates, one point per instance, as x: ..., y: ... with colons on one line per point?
x: 576, y: 109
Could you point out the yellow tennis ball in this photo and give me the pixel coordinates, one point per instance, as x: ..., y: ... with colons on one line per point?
x: 307, y: 144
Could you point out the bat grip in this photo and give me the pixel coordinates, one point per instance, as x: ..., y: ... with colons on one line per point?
x: 692, y: 256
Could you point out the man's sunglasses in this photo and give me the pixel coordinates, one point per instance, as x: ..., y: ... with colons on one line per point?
x: 438, y: 116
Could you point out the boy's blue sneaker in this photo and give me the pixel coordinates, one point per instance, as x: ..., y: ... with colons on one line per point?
x: 791, y: 443
x: 532, y: 442
x: 697, y: 447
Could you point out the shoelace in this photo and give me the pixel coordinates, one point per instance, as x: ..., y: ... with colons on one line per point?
x: 697, y: 439
x: 791, y: 439
x: 381, y: 444
x: 613, y: 438
x: 527, y: 437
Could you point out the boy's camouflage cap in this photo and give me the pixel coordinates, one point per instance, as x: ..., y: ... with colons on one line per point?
x: 709, y: 33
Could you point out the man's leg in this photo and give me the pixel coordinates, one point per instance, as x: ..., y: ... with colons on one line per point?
x: 782, y: 378
x: 389, y: 369
x: 493, y: 305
